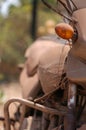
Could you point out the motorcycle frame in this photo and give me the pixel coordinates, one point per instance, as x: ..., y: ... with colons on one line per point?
x: 71, y: 106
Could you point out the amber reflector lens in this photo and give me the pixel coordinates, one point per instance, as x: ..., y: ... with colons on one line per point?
x: 64, y: 30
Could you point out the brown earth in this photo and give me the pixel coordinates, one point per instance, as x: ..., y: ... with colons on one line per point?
x: 9, y: 90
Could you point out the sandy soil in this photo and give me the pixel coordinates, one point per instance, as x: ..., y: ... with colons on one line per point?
x: 10, y: 90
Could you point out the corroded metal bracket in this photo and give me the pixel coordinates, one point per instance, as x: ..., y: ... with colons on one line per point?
x: 29, y: 104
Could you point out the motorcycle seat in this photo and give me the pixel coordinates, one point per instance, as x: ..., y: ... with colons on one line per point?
x: 51, y: 67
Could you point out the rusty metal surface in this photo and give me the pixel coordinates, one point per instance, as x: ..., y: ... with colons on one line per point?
x: 29, y: 104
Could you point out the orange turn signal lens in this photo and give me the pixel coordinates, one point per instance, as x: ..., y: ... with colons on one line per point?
x: 64, y: 31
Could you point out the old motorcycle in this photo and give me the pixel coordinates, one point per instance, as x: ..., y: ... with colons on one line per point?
x: 63, y: 80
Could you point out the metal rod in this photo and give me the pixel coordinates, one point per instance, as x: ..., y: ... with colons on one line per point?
x: 29, y: 104
x: 57, y: 11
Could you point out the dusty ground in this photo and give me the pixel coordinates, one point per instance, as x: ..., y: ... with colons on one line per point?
x: 13, y: 90
x: 10, y: 90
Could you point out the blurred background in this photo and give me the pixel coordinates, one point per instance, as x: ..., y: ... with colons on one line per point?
x: 21, y: 22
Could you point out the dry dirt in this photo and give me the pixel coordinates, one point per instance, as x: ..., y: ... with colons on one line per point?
x: 11, y: 90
